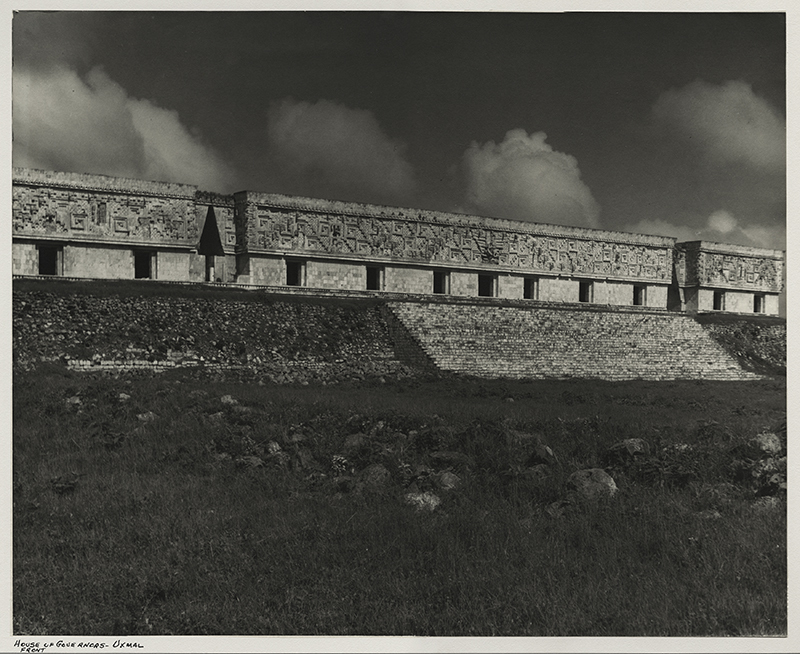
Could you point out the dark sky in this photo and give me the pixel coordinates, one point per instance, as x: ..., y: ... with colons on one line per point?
x: 672, y: 124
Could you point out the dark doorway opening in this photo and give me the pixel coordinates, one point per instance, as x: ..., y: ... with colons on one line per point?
x: 639, y: 295
x: 294, y: 273
x: 441, y: 282
x: 585, y: 292
x: 719, y: 301
x: 530, y: 289
x: 48, y: 260
x: 758, y: 304
x: 374, y: 275
x: 143, y: 265
x: 486, y: 284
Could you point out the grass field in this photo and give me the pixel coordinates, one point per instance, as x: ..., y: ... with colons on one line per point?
x: 161, y: 506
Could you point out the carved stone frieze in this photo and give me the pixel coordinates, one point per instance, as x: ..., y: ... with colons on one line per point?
x: 65, y: 213
x: 716, y: 269
x: 271, y: 228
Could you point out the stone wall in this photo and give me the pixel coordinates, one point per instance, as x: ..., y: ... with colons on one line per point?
x: 280, y: 223
x: 262, y: 336
x: 724, y: 266
x: 96, y: 208
x: 256, y: 338
x: 542, y: 343
x: 99, y: 227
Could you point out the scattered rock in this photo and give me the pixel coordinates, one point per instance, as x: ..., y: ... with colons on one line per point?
x: 592, y: 483
x: 147, y: 416
x: 374, y: 476
x: 75, y: 400
x: 354, y: 441
x: 124, y: 397
x: 447, y: 480
x: 630, y: 448
x: 541, y: 454
x: 229, y: 400
x: 303, y: 458
x: 767, y: 443
x: 709, y: 514
x: 538, y: 472
x: 249, y: 461
x: 65, y: 483
x: 426, y: 501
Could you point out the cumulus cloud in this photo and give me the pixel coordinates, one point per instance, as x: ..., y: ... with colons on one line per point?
x: 658, y: 227
x: 64, y: 122
x: 721, y: 226
x: 728, y: 122
x: 721, y: 221
x: 524, y: 178
x: 325, y: 148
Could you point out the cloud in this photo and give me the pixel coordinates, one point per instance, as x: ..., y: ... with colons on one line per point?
x: 728, y: 122
x: 523, y: 178
x: 720, y: 226
x: 721, y: 221
x: 63, y: 122
x: 328, y: 149
x: 658, y: 227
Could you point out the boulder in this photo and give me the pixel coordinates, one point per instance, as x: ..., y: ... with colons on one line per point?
x: 354, y: 441
x: 229, y: 400
x: 767, y: 443
x: 147, y: 416
x: 426, y: 501
x: 447, y: 480
x: 630, y: 448
x: 374, y: 476
x: 541, y: 454
x: 592, y: 483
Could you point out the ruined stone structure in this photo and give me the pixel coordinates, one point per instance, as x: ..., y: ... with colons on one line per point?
x: 93, y: 226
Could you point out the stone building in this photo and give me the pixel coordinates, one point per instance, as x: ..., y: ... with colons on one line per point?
x: 79, y: 225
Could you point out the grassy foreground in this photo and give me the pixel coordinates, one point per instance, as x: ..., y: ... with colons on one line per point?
x: 160, y: 506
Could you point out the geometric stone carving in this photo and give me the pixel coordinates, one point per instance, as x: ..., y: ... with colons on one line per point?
x: 333, y: 233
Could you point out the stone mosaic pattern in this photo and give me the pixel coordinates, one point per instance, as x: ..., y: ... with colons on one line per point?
x: 266, y: 229
x: 699, y: 267
x: 63, y: 213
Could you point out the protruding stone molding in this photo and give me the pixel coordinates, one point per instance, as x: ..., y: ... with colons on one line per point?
x: 266, y: 229
x: 102, y: 184
x: 268, y: 201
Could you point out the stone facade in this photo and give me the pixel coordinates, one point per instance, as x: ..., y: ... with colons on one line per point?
x: 731, y: 278
x: 95, y: 226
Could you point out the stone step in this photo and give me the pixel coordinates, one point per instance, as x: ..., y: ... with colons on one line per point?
x: 488, y: 341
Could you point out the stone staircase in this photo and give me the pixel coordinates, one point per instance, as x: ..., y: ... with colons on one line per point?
x: 539, y: 342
